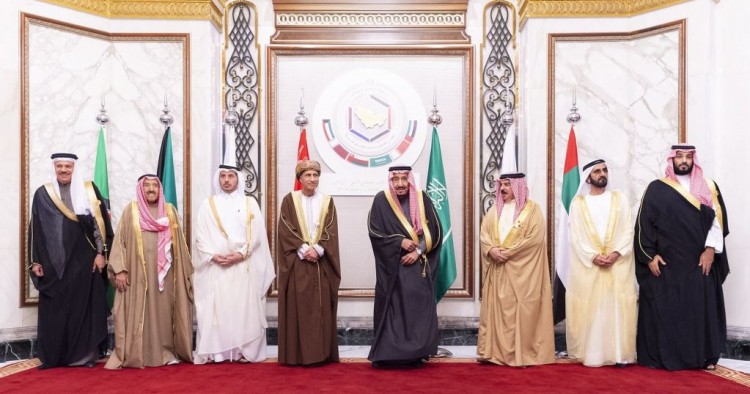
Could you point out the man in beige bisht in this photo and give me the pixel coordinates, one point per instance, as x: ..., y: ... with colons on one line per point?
x: 233, y: 270
x: 600, y: 302
x: 515, y: 319
x: 150, y: 266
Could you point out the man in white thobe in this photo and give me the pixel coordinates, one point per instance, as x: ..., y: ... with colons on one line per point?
x: 601, y: 297
x: 233, y: 271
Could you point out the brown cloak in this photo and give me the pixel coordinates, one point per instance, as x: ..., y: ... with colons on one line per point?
x: 308, y: 292
x: 151, y: 327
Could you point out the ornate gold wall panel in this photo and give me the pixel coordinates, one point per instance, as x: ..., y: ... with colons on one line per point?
x: 355, y: 22
x: 149, y: 9
x: 589, y: 8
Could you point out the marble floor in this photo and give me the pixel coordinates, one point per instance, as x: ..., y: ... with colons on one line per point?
x: 465, y: 352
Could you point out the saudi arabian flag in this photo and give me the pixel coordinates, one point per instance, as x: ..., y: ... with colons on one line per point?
x: 438, y: 193
x: 165, y: 169
x: 571, y: 181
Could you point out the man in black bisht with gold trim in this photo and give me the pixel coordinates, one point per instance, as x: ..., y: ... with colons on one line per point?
x: 681, y: 265
x: 405, y: 235
x: 69, y: 237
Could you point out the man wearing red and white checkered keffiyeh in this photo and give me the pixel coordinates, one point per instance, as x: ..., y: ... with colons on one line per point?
x: 681, y: 264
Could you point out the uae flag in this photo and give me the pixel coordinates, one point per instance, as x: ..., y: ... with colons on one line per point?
x: 570, y: 183
x: 165, y: 168
x: 438, y: 192
x: 302, y: 154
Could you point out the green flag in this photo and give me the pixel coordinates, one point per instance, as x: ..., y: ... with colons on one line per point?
x: 100, y: 168
x: 165, y: 168
x: 570, y: 183
x: 438, y: 193
x: 101, y: 180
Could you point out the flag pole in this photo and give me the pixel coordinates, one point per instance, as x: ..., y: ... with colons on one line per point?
x: 231, y: 119
x: 570, y: 183
x: 165, y: 166
x: 435, y: 120
x: 301, y: 121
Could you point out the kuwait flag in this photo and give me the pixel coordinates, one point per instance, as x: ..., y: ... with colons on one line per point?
x: 165, y: 168
x: 438, y: 193
x: 570, y: 183
x: 302, y: 154
x: 101, y: 179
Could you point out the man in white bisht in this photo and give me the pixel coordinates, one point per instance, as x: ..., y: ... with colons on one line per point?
x: 601, y: 311
x: 233, y: 270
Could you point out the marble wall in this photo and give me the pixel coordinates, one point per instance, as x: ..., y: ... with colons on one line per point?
x: 86, y: 67
x: 717, y: 85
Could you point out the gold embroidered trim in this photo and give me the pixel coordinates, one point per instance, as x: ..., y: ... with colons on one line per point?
x: 217, y: 219
x: 516, y: 229
x: 686, y: 194
x: 96, y: 210
x: 59, y: 204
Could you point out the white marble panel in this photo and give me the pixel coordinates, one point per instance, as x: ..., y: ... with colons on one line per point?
x: 627, y: 94
x: 69, y: 72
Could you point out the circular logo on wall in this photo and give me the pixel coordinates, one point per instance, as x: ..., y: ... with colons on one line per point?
x: 369, y: 119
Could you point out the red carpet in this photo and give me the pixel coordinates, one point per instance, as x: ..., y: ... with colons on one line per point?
x: 359, y: 377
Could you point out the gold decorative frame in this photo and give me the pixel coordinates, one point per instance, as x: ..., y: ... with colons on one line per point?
x: 25, y: 192
x: 466, y: 54
x: 148, y: 9
x: 589, y: 8
x: 680, y: 26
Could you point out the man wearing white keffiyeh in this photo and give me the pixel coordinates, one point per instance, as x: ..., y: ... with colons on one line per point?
x: 233, y: 271
x: 150, y: 267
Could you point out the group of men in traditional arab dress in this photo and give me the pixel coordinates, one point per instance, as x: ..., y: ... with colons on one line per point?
x: 649, y: 293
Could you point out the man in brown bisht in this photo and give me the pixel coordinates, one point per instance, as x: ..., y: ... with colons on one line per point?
x: 150, y: 267
x: 515, y: 319
x: 309, y: 272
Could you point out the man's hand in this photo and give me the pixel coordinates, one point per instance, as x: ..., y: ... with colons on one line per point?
x: 36, y: 268
x: 654, y: 265
x: 410, y: 258
x: 706, y: 260
x: 498, y: 255
x: 228, y: 259
x: 312, y: 255
x: 408, y: 245
x: 122, y: 281
x: 606, y: 261
x: 98, y: 263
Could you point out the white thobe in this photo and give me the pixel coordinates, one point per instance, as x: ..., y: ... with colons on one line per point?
x: 230, y: 301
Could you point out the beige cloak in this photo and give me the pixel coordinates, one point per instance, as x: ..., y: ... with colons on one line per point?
x: 515, y: 323
x: 152, y: 328
x: 601, y: 303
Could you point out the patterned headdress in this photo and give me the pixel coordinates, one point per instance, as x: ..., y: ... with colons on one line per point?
x: 416, y: 223
x: 520, y: 192
x: 698, y: 186
x: 159, y: 225
x: 306, y: 165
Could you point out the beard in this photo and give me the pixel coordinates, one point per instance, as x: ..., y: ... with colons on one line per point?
x: 678, y: 171
x: 600, y: 183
